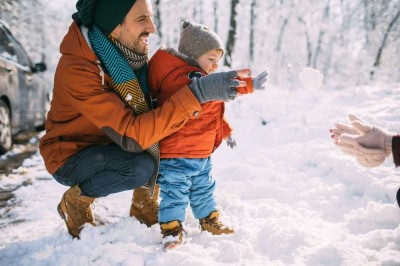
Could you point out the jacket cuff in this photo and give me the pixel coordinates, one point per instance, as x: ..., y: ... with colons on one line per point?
x: 396, y: 150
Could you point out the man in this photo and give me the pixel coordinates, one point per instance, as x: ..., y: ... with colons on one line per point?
x: 101, y: 134
x: 369, y: 144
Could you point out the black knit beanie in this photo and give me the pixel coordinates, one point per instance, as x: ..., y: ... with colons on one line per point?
x: 106, y: 14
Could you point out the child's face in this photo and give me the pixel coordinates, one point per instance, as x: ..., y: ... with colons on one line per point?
x: 209, y: 61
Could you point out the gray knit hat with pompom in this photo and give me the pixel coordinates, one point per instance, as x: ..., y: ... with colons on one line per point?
x: 197, y: 39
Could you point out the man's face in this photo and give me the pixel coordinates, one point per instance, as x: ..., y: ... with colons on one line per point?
x: 134, y: 31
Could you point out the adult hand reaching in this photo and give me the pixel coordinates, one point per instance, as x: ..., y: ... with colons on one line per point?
x: 369, y: 144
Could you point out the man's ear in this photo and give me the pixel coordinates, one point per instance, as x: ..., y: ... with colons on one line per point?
x: 116, y: 32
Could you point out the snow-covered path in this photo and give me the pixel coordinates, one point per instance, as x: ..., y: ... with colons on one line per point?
x: 293, y: 198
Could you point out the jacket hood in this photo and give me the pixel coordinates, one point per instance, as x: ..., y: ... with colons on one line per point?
x: 167, y: 61
x: 74, y: 43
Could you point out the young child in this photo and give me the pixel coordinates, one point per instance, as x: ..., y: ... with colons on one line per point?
x: 185, y: 167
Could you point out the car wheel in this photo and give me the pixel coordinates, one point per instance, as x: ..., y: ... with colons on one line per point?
x: 5, y: 128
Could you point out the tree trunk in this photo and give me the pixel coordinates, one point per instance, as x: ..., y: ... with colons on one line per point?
x: 157, y: 16
x: 198, y: 12
x: 321, y: 34
x: 252, y: 29
x: 377, y: 62
x: 366, y: 23
x: 230, y: 43
x: 281, y: 34
x: 308, y: 42
x: 215, y: 16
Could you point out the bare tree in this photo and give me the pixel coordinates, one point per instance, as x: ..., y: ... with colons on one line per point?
x: 23, y: 18
x: 215, y: 10
x: 281, y: 34
x: 321, y: 34
x: 198, y: 11
x: 157, y: 16
x: 377, y: 62
x: 253, y: 6
x: 308, y: 41
x: 230, y: 43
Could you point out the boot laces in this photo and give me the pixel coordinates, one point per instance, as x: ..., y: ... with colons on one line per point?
x: 85, y: 211
x: 80, y: 216
x: 151, y: 204
x: 176, y: 231
x: 214, y: 222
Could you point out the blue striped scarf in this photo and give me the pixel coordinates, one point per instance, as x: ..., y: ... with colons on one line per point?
x: 131, y: 87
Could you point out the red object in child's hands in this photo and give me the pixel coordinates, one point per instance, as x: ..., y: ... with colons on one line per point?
x: 249, y: 86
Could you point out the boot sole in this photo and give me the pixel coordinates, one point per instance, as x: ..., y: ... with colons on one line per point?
x: 229, y: 232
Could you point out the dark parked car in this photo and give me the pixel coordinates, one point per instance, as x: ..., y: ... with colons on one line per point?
x: 23, y: 93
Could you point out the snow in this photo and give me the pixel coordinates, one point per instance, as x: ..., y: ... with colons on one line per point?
x: 291, y: 195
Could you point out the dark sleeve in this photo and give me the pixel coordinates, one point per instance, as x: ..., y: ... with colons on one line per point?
x: 396, y: 150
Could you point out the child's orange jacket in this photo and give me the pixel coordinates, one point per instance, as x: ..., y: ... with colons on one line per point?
x: 200, y: 136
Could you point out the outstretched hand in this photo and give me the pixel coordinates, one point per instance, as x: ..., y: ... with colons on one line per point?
x: 370, y: 145
x: 219, y: 86
x: 260, y: 82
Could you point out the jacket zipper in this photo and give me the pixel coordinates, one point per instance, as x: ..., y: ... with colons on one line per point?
x: 98, y: 63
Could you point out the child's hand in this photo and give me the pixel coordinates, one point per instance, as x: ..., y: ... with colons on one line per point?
x: 259, y: 82
x: 230, y: 141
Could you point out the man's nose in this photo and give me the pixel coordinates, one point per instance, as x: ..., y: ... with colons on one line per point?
x: 151, y: 27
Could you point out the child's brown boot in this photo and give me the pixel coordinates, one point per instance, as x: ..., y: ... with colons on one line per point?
x: 172, y: 234
x: 212, y: 224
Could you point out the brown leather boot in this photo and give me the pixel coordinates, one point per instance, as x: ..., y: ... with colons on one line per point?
x: 144, y: 208
x: 75, y: 210
x: 172, y: 234
x: 212, y: 224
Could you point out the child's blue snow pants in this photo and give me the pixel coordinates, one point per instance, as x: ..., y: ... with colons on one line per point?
x: 184, y: 180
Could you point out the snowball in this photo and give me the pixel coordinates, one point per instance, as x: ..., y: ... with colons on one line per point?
x: 311, y: 78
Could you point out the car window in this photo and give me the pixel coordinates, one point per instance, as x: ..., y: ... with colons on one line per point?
x: 6, y: 46
x: 22, y: 57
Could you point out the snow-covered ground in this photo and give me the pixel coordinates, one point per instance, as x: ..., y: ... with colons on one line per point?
x: 293, y: 198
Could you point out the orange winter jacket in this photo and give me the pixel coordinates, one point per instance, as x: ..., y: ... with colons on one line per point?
x: 84, y: 112
x: 199, y: 137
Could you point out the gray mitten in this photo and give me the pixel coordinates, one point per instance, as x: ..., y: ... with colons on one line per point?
x: 215, y: 87
x: 260, y: 81
x: 230, y: 141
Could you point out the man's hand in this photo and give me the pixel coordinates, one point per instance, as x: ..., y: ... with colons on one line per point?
x: 230, y: 141
x: 217, y: 86
x: 373, y: 137
x: 365, y: 156
x: 370, y: 145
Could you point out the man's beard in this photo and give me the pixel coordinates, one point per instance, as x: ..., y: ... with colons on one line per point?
x: 134, y: 45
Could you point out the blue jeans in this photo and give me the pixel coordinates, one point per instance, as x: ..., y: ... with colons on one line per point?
x: 182, y: 181
x: 103, y: 170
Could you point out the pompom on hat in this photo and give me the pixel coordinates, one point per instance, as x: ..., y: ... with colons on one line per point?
x: 197, y: 39
x: 106, y: 14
